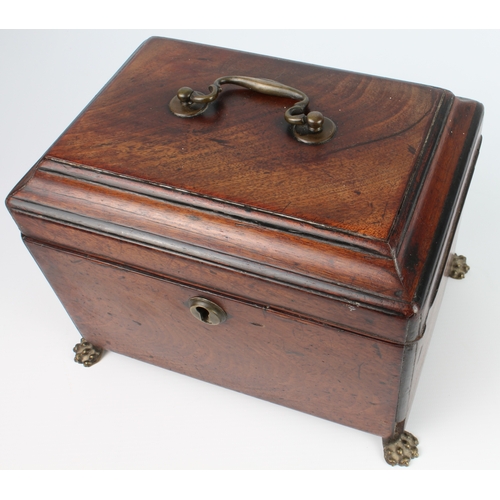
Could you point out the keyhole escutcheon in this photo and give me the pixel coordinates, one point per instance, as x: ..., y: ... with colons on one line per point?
x: 206, y: 311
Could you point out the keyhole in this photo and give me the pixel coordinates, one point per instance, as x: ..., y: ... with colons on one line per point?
x: 206, y: 311
x: 204, y: 314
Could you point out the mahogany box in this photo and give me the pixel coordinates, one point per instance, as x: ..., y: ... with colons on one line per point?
x: 283, y: 230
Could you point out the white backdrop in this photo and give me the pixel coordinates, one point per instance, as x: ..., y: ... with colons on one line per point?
x: 124, y: 414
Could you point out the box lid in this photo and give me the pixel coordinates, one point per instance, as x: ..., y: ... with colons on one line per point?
x: 365, y: 216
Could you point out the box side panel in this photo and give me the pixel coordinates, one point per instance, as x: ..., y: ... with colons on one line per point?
x: 316, y: 369
x: 414, y: 357
x: 455, y: 173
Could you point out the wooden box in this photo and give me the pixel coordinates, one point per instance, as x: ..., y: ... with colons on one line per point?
x: 237, y: 238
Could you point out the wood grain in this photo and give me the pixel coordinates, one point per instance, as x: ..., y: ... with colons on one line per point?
x: 329, y: 259
x: 322, y: 371
x: 295, y: 300
x: 242, y: 151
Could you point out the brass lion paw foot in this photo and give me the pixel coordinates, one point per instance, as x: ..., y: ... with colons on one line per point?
x: 459, y: 267
x: 86, y: 353
x: 401, y: 449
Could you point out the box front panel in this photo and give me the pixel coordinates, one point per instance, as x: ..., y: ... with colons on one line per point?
x: 337, y: 311
x: 301, y: 364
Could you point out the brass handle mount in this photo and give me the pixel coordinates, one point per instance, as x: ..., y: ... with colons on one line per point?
x: 310, y: 128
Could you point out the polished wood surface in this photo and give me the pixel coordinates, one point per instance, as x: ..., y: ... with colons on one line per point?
x: 239, y: 285
x: 241, y: 149
x: 326, y: 372
x: 328, y: 258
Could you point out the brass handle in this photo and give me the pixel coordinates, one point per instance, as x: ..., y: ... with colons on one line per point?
x: 207, y: 311
x: 313, y: 128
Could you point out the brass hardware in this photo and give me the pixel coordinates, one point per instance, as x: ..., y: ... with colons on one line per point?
x: 206, y: 311
x: 86, y: 353
x: 401, y: 449
x: 313, y: 128
x: 459, y: 267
